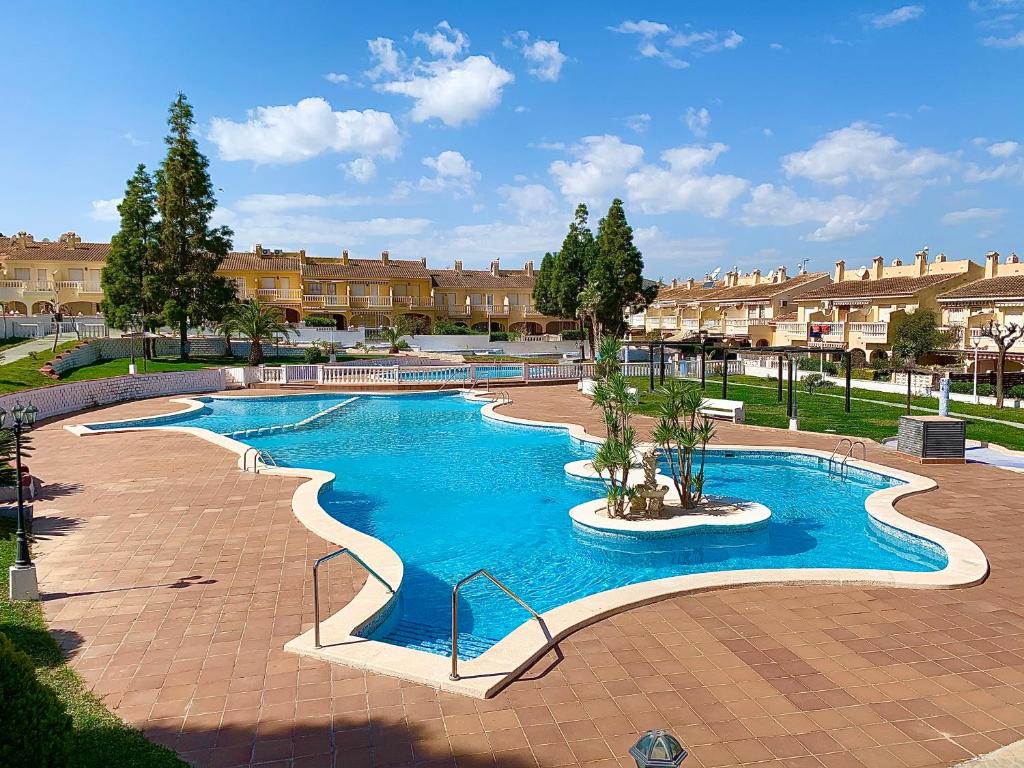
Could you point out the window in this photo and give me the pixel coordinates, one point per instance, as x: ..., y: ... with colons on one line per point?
x: 284, y: 283
x: 267, y: 283
x: 76, y: 275
x: 474, y: 299
x: 25, y: 275
x: 399, y: 290
x: 513, y: 299
x: 358, y: 289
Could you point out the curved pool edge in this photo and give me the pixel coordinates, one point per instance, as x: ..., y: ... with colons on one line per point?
x: 487, y: 674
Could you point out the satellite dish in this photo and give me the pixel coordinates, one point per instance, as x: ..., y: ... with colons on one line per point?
x: 716, y: 273
x: 771, y: 276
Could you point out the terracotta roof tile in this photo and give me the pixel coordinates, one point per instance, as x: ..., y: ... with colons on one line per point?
x: 764, y: 290
x: 1006, y: 287
x: 482, y: 278
x: 365, y: 269
x: 67, y: 248
x: 887, y: 286
x: 684, y: 294
x: 266, y: 262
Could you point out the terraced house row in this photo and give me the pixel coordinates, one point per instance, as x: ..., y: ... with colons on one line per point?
x: 851, y: 308
x: 37, y: 274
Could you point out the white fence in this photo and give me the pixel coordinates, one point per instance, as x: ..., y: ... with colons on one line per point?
x: 457, y: 375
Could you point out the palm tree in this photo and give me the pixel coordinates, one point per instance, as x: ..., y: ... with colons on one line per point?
x: 586, y: 312
x: 258, y: 323
x: 393, y: 334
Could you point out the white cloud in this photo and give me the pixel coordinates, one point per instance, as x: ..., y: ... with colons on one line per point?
x: 861, y: 152
x: 896, y: 16
x: 362, y: 169
x: 530, y: 202
x: 638, y: 123
x: 643, y: 28
x: 544, y: 57
x: 452, y: 91
x: 521, y: 109
x: 452, y: 172
x: 336, y: 77
x: 1009, y: 171
x: 105, y: 210
x: 698, y: 42
x: 1003, y: 148
x: 388, y: 58
x: 682, y: 186
x: 296, y: 132
x: 445, y: 41
x: 276, y: 203
x: 841, y: 217
x: 601, y: 168
x: 973, y: 214
x: 776, y: 46
x: 1012, y: 41
x: 668, y: 256
x: 295, y: 230
x: 698, y: 121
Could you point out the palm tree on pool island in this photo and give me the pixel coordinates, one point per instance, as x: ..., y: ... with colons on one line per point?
x: 256, y: 322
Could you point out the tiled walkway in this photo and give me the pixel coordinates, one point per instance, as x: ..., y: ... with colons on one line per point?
x: 174, y: 580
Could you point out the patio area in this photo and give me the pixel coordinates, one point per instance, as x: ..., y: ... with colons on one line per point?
x: 174, y: 580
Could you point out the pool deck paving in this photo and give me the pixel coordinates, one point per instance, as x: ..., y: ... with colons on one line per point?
x: 173, y: 580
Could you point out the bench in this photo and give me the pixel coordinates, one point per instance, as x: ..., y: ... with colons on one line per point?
x: 730, y: 410
x: 586, y: 386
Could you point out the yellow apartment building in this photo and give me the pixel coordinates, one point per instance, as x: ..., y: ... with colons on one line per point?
x: 857, y: 308
x: 998, y: 296
x: 354, y: 292
x: 40, y: 275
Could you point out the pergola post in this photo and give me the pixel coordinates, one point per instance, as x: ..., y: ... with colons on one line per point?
x: 789, y: 389
x: 703, y: 359
x: 781, y: 358
x: 661, y: 371
x: 650, y: 368
x: 848, y: 360
x: 725, y: 372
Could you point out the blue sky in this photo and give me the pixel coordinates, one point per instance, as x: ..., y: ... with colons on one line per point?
x: 747, y: 134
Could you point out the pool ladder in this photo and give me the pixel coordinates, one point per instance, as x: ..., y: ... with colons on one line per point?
x: 448, y: 380
x: 842, y: 466
x: 455, y: 612
x: 316, y: 585
x: 258, y: 455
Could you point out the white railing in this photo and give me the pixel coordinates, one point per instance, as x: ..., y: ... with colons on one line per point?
x: 792, y: 330
x: 834, y: 332
x: 300, y: 373
x: 69, y: 285
x: 93, y: 330
x: 66, y: 326
x: 19, y: 284
x: 271, y: 375
x: 874, y: 330
x: 91, y: 288
x: 738, y: 325
x: 495, y: 310
x: 369, y: 302
x: 690, y: 323
x: 39, y: 285
x: 314, y: 300
x: 279, y: 294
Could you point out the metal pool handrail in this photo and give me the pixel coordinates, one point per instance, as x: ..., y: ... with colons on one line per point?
x: 849, y: 453
x: 455, y: 612
x: 316, y: 585
x: 245, y: 459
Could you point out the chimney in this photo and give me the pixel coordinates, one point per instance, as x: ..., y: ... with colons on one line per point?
x: 991, y: 264
x: 423, y: 261
x: 840, y: 271
x: 675, y: 283
x: 528, y: 268
x: 731, y: 279
x: 897, y: 262
x: 494, y: 268
x: 781, y: 274
x: 690, y: 283
x: 757, y: 276
x: 24, y: 239
x: 458, y: 265
x: 1012, y: 259
x: 940, y: 259
x: 877, y: 268
x: 921, y: 261
x: 385, y: 257
x: 344, y: 257
x: 258, y: 249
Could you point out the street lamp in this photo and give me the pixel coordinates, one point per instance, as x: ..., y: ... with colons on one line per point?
x: 976, y: 343
x: 658, y: 749
x: 23, y: 583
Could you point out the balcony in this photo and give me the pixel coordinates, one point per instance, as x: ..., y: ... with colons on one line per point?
x: 737, y: 327
x: 413, y: 302
x: 454, y: 310
x: 370, y: 302
x: 272, y: 295
x: 491, y: 310
x: 873, y: 333
x: 791, y: 331
x: 828, y: 332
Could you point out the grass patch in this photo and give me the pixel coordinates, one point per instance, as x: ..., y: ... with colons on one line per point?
x: 822, y: 413
x: 119, y: 367
x: 24, y: 373
x: 98, y: 738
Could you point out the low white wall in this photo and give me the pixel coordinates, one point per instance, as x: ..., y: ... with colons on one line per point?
x: 79, y: 395
x: 480, y: 343
x: 303, y: 335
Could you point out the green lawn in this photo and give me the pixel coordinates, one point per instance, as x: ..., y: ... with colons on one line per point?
x: 119, y: 367
x: 98, y: 738
x: 821, y: 413
x: 24, y: 373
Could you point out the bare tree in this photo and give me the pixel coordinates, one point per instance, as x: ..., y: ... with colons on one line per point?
x: 1004, y: 336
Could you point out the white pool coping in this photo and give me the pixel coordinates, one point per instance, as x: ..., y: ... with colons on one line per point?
x: 488, y: 673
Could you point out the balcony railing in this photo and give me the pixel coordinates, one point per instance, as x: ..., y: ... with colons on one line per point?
x: 792, y: 331
x: 370, y: 302
x: 494, y: 310
x: 871, y: 331
x: 17, y: 284
x: 279, y: 294
x: 91, y: 288
x: 454, y: 310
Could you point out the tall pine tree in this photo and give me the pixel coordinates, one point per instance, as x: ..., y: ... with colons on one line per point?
x: 573, y: 265
x: 190, y: 249
x: 617, y: 272
x: 544, y: 297
x: 129, y: 281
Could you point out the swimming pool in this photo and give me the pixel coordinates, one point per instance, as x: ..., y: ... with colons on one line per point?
x: 451, y: 492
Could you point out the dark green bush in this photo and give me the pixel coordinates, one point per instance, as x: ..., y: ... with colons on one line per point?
x: 572, y: 335
x: 967, y: 388
x: 314, y: 354
x: 34, y: 728
x: 448, y: 328
x: 814, y: 363
x: 319, y: 321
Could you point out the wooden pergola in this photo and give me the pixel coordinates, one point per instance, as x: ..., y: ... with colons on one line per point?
x: 785, y: 354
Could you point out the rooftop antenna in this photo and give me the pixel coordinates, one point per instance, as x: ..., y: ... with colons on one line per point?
x: 802, y: 266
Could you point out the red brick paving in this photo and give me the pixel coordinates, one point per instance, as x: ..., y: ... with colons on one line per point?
x: 174, y: 580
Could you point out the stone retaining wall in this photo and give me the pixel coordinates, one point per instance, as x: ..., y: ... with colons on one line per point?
x: 79, y: 395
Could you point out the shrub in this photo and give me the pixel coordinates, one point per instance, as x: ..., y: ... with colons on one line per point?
x: 505, y: 336
x: 572, y: 335
x: 815, y: 382
x: 814, y: 363
x: 319, y: 321
x: 984, y: 389
x: 34, y: 728
x: 314, y: 353
x: 448, y: 328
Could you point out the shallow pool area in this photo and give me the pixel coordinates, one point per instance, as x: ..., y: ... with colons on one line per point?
x: 452, y: 491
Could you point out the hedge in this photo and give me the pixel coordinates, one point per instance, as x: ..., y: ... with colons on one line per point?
x: 34, y: 726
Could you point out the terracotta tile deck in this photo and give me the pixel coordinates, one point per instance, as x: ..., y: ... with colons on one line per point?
x: 173, y: 580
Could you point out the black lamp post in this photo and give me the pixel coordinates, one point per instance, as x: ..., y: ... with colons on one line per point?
x: 22, y: 419
x: 703, y: 357
x: 658, y: 749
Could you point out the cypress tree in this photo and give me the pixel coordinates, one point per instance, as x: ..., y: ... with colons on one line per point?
x: 128, y: 279
x: 617, y: 271
x: 573, y: 264
x: 190, y: 249
x: 544, y: 298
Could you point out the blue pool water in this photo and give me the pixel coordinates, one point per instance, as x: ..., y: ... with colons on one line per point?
x: 451, y: 492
